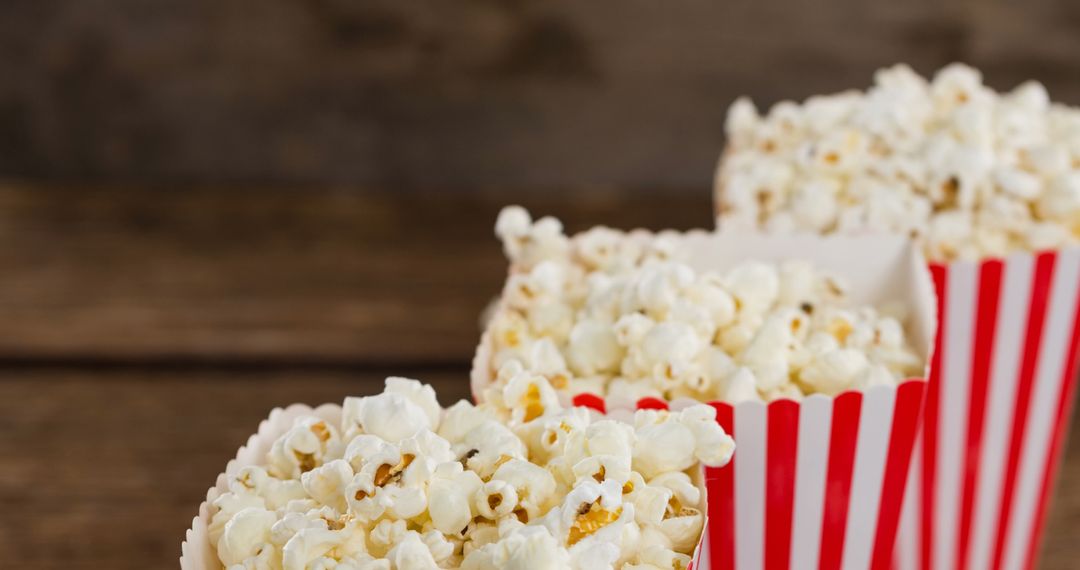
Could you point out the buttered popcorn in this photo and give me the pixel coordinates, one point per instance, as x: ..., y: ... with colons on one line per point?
x: 969, y: 172
x: 607, y: 312
x: 516, y: 483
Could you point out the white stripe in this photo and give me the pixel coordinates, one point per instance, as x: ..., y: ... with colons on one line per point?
x: 907, y: 542
x: 960, y: 298
x: 1042, y: 417
x: 1010, y: 332
x: 704, y: 559
x: 871, y: 454
x: 750, y: 438
x: 811, y: 463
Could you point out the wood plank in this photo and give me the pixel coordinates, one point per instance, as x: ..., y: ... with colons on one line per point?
x: 461, y: 95
x: 269, y: 275
x: 105, y: 468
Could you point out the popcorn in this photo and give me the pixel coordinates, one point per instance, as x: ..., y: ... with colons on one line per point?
x: 500, y: 485
x: 405, y: 408
x: 968, y: 172
x: 642, y: 323
x: 246, y: 533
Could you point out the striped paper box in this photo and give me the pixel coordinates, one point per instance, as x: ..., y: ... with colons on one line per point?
x: 998, y: 403
x: 817, y: 483
x: 196, y: 552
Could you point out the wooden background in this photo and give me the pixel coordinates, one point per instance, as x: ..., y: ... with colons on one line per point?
x: 210, y: 208
x: 437, y: 95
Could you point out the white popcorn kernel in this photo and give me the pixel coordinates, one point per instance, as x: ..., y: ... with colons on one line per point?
x: 650, y: 501
x: 672, y: 346
x: 450, y: 497
x: 307, y: 545
x: 531, y: 548
x: 488, y: 445
x: 326, y: 483
x: 245, y: 533
x: 598, y: 248
x: 535, y: 487
x: 365, y: 449
x: 668, y: 446
x: 274, y: 492
x: 1061, y: 202
x: 301, y: 448
x: 712, y: 446
x: 391, y: 416
x: 593, y: 349
x: 551, y: 319
x: 385, y: 534
x: 461, y: 418
x: 709, y: 293
x: 630, y: 329
x: 526, y: 243
x: 1017, y: 183
x: 607, y: 437
x: 834, y: 371
x: 529, y: 397
x: 767, y: 354
x: 755, y: 286
x: 1045, y: 236
x: 420, y: 394
x: 742, y: 387
x: 814, y: 205
x: 742, y: 121
x: 441, y: 549
x: 603, y: 468
x: 411, y: 553
x: 513, y: 223
x: 495, y: 499
x: 659, y: 558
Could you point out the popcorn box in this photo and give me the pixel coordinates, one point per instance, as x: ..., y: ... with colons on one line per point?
x: 998, y: 402
x: 817, y: 483
x: 196, y: 552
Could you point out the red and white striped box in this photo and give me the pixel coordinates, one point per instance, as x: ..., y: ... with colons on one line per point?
x: 817, y: 483
x: 1000, y: 395
x: 196, y: 552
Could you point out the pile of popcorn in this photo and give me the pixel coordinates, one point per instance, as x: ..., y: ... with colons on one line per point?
x: 611, y: 313
x: 515, y: 483
x: 968, y: 172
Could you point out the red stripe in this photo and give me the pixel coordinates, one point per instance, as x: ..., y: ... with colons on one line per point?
x: 1064, y: 411
x: 1040, y: 293
x: 650, y: 403
x: 590, y: 401
x: 845, y: 432
x: 985, y: 325
x: 930, y: 425
x: 909, y: 401
x: 720, y: 483
x: 782, y: 446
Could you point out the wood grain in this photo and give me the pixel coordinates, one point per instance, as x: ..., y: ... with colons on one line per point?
x: 281, y: 276
x: 477, y: 93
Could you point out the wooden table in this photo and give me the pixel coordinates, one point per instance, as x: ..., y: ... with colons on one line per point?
x: 145, y: 334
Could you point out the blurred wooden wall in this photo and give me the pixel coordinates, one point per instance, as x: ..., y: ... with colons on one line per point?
x: 441, y: 95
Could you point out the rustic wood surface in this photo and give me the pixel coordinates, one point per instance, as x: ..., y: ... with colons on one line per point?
x: 144, y: 338
x: 423, y: 94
